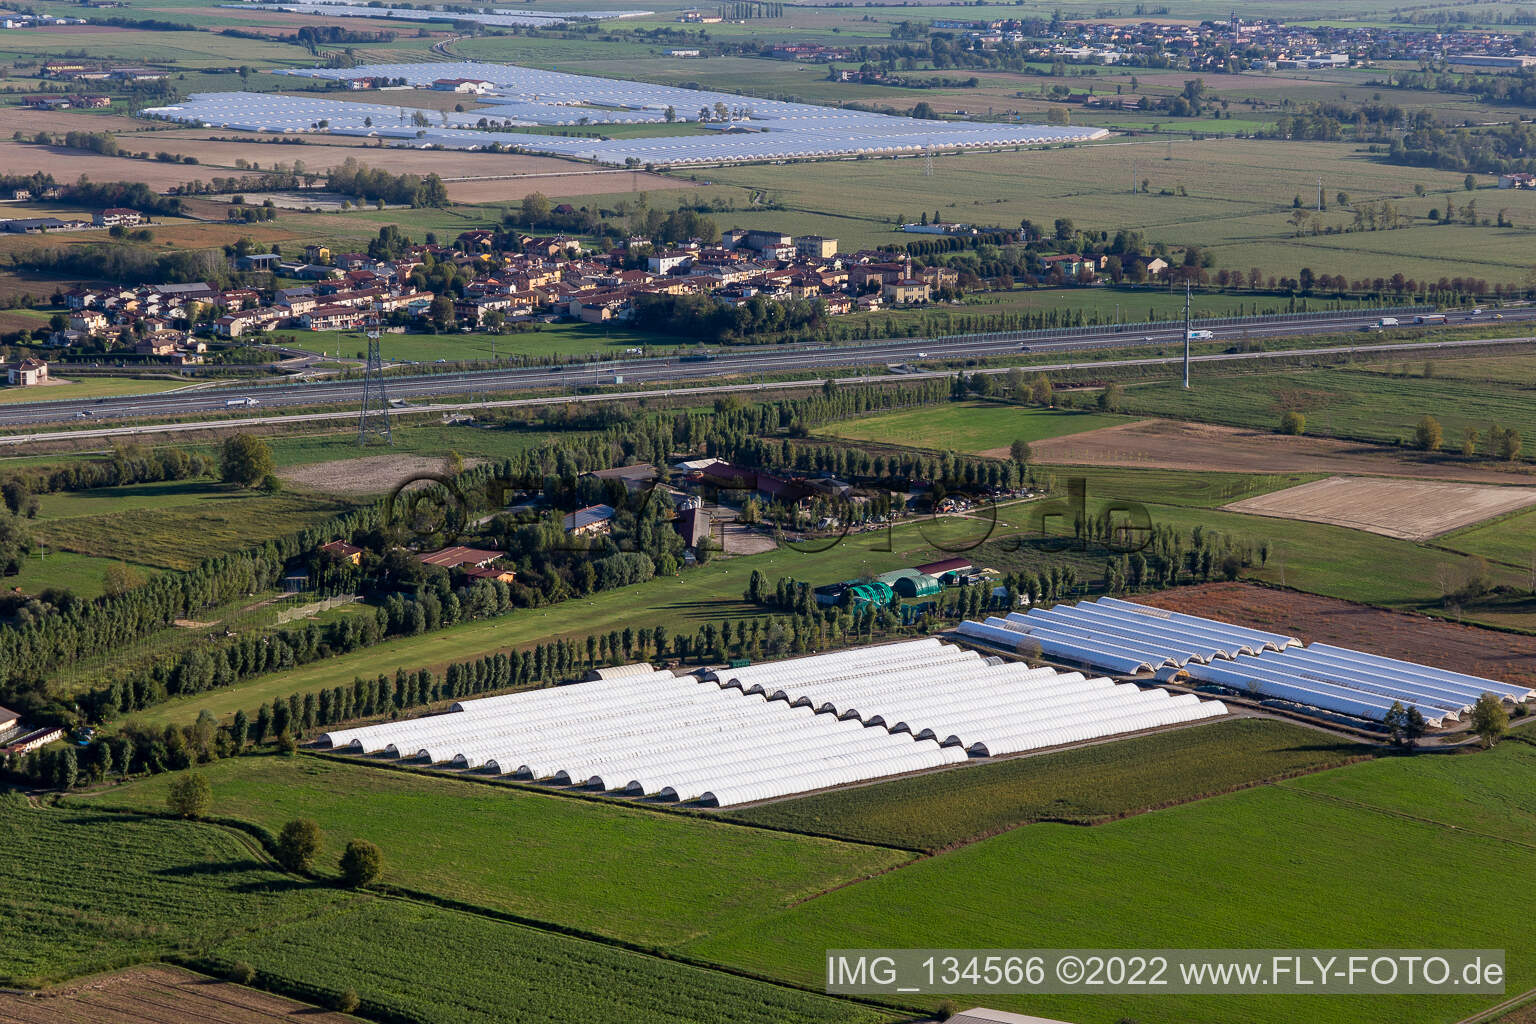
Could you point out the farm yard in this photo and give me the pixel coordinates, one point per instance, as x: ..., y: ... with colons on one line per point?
x: 1410, y: 509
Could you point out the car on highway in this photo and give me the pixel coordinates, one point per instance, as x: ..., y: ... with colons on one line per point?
x: 83, y: 414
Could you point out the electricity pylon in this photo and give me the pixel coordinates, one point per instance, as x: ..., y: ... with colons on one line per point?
x: 375, y: 414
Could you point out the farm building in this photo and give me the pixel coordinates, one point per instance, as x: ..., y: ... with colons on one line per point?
x: 947, y: 569
x: 459, y: 557
x: 876, y: 593
x: 589, y: 521
x: 27, y: 373
x: 911, y: 583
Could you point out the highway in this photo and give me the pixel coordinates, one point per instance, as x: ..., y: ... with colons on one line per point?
x: 105, y: 432
x: 737, y: 364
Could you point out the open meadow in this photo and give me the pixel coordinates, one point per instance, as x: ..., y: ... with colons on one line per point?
x: 93, y: 891
x: 178, y: 526
x: 1237, y: 203
x: 628, y: 873
x: 1259, y: 868
x: 969, y: 427
x: 1084, y: 785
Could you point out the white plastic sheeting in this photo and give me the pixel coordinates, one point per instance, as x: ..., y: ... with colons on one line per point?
x: 937, y: 691
x: 654, y: 734
x: 521, y: 96
x: 1355, y: 683
x: 498, y: 17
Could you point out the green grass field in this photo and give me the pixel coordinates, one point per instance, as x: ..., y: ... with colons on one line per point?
x: 641, y: 876
x: 969, y: 427
x: 89, y: 893
x: 1344, y: 402
x: 1509, y: 539
x: 1239, y: 197
x: 1272, y: 867
x: 454, y: 968
x: 179, y: 534
x: 87, y: 387
x: 84, y: 575
x: 1084, y: 785
x: 160, y: 495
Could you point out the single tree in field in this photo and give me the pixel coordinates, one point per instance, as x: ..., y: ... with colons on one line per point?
x: 245, y: 460
x: 1427, y: 436
x: 1404, y: 725
x: 1293, y: 423
x: 361, y: 863
x: 1020, y: 451
x: 297, y: 844
x: 189, y: 796
x: 121, y: 578
x: 1489, y: 719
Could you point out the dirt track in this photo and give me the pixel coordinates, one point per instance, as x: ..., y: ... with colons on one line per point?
x: 1506, y: 656
x: 1171, y: 444
x: 158, y: 995
x: 1407, y: 509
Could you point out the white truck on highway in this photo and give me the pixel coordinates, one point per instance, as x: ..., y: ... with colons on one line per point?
x: 241, y: 402
x: 1201, y: 335
x: 1387, y: 321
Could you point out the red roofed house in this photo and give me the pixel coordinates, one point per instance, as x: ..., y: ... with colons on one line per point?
x: 27, y: 373
x: 459, y: 557
x: 346, y: 552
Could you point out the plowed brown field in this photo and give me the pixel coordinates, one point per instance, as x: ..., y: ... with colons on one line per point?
x: 157, y: 994
x: 1482, y: 652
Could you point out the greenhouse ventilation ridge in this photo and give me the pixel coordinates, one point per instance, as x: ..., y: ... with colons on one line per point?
x: 770, y: 730
x: 1130, y: 639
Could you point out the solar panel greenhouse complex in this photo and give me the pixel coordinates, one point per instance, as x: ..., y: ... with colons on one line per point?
x: 1131, y: 639
x: 735, y: 736
x: 513, y: 97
